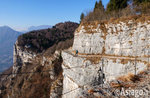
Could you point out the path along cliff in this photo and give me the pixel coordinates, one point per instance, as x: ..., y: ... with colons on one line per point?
x: 83, y: 63
x: 106, y: 51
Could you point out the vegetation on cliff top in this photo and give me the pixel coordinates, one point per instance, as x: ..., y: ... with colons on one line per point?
x: 41, y: 40
x: 117, y: 9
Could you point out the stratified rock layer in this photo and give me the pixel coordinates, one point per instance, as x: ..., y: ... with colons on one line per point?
x: 106, y: 51
x: 123, y: 39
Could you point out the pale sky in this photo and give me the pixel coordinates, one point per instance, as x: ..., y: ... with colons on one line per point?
x: 20, y: 14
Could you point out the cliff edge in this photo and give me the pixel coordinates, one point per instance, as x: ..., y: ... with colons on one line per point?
x: 105, y: 51
x: 37, y: 71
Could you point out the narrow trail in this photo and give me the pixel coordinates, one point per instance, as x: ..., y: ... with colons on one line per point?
x: 105, y: 56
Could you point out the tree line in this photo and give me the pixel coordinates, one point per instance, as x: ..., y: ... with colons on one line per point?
x: 116, y: 9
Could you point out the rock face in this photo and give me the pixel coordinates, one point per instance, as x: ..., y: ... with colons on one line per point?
x: 106, y: 51
x: 127, y: 39
x: 37, y: 71
x: 20, y: 57
x: 45, y: 75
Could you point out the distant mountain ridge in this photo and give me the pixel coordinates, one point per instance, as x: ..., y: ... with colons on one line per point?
x: 31, y: 28
x: 8, y: 36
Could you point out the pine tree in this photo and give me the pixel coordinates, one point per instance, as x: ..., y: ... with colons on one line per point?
x: 96, y: 6
x: 116, y: 5
x: 99, y: 6
x: 82, y: 17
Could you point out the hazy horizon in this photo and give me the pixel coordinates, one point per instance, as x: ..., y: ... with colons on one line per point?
x: 19, y: 15
x: 23, y: 29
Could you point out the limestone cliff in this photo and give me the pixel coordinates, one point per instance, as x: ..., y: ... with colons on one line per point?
x: 37, y: 71
x: 106, y: 51
x: 46, y: 64
x: 21, y: 57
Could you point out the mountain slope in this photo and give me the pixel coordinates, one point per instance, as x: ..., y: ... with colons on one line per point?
x: 8, y: 37
x: 42, y: 60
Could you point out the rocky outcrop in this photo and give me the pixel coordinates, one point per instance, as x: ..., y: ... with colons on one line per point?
x: 37, y: 71
x: 80, y: 73
x: 106, y: 51
x: 45, y: 72
x: 21, y: 57
x: 122, y: 38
